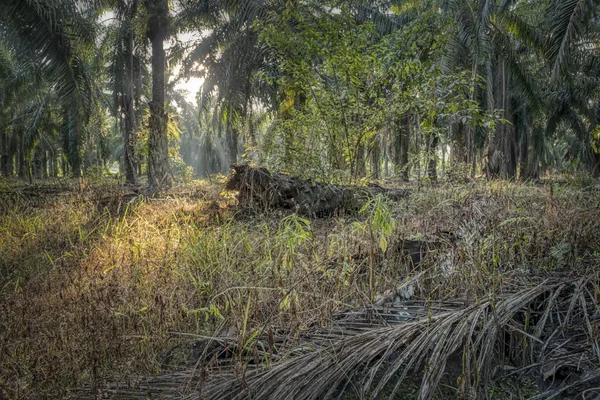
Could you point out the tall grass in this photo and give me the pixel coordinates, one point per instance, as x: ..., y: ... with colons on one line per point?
x: 92, y: 294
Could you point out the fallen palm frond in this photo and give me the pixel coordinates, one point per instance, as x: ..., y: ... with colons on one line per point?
x: 539, y: 331
x: 368, y: 362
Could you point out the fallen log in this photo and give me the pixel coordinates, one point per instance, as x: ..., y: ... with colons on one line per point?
x: 258, y: 187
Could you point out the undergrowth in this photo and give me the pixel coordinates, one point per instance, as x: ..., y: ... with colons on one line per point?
x: 91, y: 294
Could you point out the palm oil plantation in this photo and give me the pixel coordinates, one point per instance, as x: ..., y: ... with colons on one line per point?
x: 300, y: 199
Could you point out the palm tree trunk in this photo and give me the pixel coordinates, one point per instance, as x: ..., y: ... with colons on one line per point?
x: 159, y: 175
x: 432, y: 162
x: 471, y: 158
x: 4, y: 158
x: 510, y: 150
x: 232, y: 144
x: 385, y: 149
x: 375, y: 159
x: 502, y: 156
x: 44, y: 164
x: 401, y: 146
x: 595, y: 164
x: 360, y: 170
x: 460, y: 149
x: 129, y: 132
x: 6, y: 171
x: 524, y: 153
x: 37, y: 163
x: 406, y: 132
x: 71, y: 133
x: 65, y: 166
x: 53, y: 164
x: 23, y: 167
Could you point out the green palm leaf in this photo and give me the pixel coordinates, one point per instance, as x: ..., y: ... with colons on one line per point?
x: 566, y: 20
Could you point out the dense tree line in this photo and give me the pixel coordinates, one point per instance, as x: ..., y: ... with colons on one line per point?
x: 341, y: 90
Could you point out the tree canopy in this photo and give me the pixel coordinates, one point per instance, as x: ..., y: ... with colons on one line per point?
x: 342, y: 90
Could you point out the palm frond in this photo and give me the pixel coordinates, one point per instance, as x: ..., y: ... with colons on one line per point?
x: 477, y: 345
x: 32, y: 131
x: 47, y: 30
x: 525, y: 82
x: 522, y: 30
x: 566, y: 20
x: 378, y: 358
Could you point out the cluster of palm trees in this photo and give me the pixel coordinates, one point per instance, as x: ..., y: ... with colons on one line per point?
x: 84, y: 82
x: 537, y: 60
x: 60, y: 67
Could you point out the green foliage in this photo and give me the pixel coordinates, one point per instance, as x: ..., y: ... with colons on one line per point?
x: 342, y: 83
x: 314, y: 88
x: 293, y: 232
x: 328, y: 105
x: 379, y: 221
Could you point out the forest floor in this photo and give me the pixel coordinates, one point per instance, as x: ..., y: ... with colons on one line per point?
x: 100, y: 285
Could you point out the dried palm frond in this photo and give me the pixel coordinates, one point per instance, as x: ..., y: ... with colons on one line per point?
x: 534, y: 331
x: 383, y: 356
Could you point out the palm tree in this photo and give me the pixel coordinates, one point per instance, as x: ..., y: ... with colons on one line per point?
x: 159, y: 174
x: 28, y: 118
x: 230, y: 56
x: 124, y: 74
x: 571, y: 51
x: 48, y: 33
x: 490, y: 39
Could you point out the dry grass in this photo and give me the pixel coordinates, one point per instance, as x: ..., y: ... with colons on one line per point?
x: 95, y: 293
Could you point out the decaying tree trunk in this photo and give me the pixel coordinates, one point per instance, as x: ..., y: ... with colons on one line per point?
x: 261, y: 188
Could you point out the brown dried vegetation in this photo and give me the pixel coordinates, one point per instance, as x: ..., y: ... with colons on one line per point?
x: 199, y: 299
